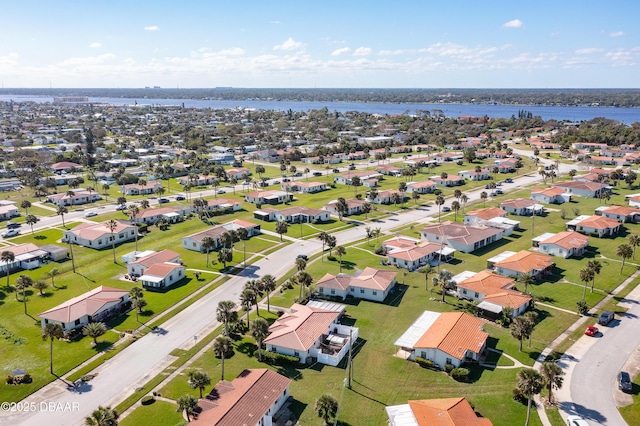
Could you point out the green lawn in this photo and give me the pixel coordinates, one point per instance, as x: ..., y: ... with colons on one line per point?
x: 160, y: 413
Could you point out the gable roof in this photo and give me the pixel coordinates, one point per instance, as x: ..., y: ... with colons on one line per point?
x: 415, y: 252
x: 518, y: 203
x: 567, y: 240
x: 446, y: 412
x: 156, y: 257
x: 372, y: 278
x: 576, y: 184
x: 526, y: 261
x: 244, y: 401
x: 548, y: 192
x: 621, y: 210
x: 488, y: 213
x: 454, y: 333
x: 92, y: 231
x: 301, y: 328
x: 511, y: 298
x: 599, y: 222
x: 88, y: 303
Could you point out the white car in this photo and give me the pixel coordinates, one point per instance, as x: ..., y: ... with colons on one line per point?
x: 90, y: 214
x: 10, y: 233
x: 576, y: 421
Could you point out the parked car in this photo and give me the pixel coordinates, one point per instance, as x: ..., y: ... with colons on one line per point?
x: 446, y: 208
x: 286, y: 180
x: 508, y: 180
x: 303, y: 256
x: 90, y: 214
x: 605, y: 318
x: 10, y: 233
x: 499, y: 191
x: 336, y: 170
x: 317, y: 173
x: 352, y: 166
x: 276, y: 182
x: 220, y: 191
x: 121, y: 207
x: 592, y: 331
x: 576, y: 421
x: 624, y: 382
x: 163, y: 200
x: 297, y: 174
x: 493, y: 193
x: 13, y: 225
x: 487, y: 186
x: 180, y: 198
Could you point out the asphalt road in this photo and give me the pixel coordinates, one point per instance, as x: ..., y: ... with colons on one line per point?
x: 141, y: 361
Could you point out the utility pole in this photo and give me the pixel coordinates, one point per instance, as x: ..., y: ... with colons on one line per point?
x: 73, y: 262
x: 350, y: 365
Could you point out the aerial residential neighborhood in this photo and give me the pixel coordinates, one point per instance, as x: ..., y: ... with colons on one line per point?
x: 403, y: 281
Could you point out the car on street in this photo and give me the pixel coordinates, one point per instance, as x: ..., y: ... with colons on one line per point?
x: 317, y: 173
x: 220, y: 191
x: 446, y: 209
x: 303, y: 256
x: 624, y: 381
x: 592, y: 331
x: 276, y: 182
x: 352, y: 166
x: 90, y: 214
x: 297, y: 174
x: 576, y: 421
x: 499, y: 191
x: 10, y: 233
x: 493, y: 193
x: 605, y: 318
x: 508, y: 180
x: 336, y: 170
x: 163, y: 200
x: 286, y: 179
x: 180, y: 198
x: 121, y: 207
x: 13, y: 225
x: 372, y: 161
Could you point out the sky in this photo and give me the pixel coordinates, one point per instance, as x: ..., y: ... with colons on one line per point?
x: 321, y: 44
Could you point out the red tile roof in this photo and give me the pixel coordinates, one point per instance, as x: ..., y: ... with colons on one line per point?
x: 446, y: 412
x: 526, y: 261
x: 454, y: 333
x: 567, y: 240
x: 488, y: 213
x: 86, y: 304
x: 301, y: 328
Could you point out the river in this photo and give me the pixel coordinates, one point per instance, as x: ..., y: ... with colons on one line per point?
x: 571, y: 113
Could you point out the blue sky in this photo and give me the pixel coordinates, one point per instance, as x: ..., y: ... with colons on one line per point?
x: 346, y: 44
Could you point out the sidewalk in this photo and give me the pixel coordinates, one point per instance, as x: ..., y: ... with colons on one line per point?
x: 567, y: 362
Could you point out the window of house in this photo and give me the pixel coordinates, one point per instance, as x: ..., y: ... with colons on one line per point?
x: 296, y: 353
x: 321, y: 290
x: 352, y: 289
x: 77, y: 322
x: 362, y: 290
x: 333, y: 291
x: 423, y: 354
x: 449, y: 361
x: 464, y: 291
x: 477, y: 294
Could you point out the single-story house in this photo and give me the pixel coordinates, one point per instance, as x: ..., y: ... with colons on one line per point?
x: 522, y: 262
x: 521, y: 207
x: 474, y: 176
x: 419, y: 255
x: 218, y: 204
x: 172, y: 214
x: 564, y: 244
x: 429, y: 412
x: 268, y: 197
x: 354, y: 206
x: 64, y: 166
x: 141, y: 261
x: 398, y: 242
x: 151, y: 187
x: 464, y: 238
x: 26, y: 256
x: 162, y: 275
x: 387, y: 196
x: 199, y: 180
x: 252, y: 398
x: 295, y: 214
x: 238, y: 173
x: 450, y: 180
x: 422, y: 187
x: 312, y: 331
x: 550, y: 195
x: 305, y: 187
x: 8, y: 211
x: 583, y: 189
x: 345, y: 178
x: 370, y: 284
x: 493, y: 292
x: 98, y: 235
x: 389, y: 170
x: 508, y: 165
x: 79, y: 196
x: 620, y: 213
x: 481, y: 216
x: 444, y: 338
x: 96, y: 305
x: 194, y: 241
x: 597, y: 226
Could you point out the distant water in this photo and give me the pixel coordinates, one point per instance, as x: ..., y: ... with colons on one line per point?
x: 571, y: 113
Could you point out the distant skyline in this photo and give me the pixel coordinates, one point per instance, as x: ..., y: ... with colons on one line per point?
x: 342, y: 44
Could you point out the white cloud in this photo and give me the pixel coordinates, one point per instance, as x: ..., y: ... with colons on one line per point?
x: 362, y: 51
x: 152, y: 28
x: 341, y: 51
x: 289, y: 44
x: 616, y: 34
x: 392, y: 52
x: 516, y: 23
x: 588, y: 51
x: 95, y: 45
x: 235, y: 51
x: 87, y: 60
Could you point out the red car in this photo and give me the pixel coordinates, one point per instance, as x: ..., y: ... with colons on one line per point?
x: 591, y: 331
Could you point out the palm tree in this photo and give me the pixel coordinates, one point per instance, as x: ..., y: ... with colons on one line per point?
x: 256, y: 287
x: 40, y: 285
x: 634, y: 241
x: 483, y: 196
x: 207, y: 244
x: 248, y: 298
x: 94, y: 330
x: 7, y: 257
x: 301, y: 264
x: 225, y: 255
x: 530, y: 383
x: 586, y: 275
x: 624, y: 251
x: 113, y: 225
x: 269, y: 285
x: 439, y: 203
x: 455, y: 206
x: 226, y: 313
x: 442, y: 280
x: 243, y: 234
x: 221, y: 347
x: 259, y: 330
x: 326, y: 407
x: 323, y: 236
x: 340, y: 251
x: 198, y: 379
x: 53, y: 273
x: 463, y: 200
x: 552, y: 376
x: 187, y: 404
x: 520, y: 329
x: 331, y: 243
x: 596, y: 267
x: 134, y: 211
x: 136, y: 293
x: 304, y: 279
x: 22, y: 283
x: 61, y: 211
x: 526, y: 279
x: 25, y: 204
x: 426, y: 270
x: 52, y: 330
x: 31, y: 220
x: 281, y: 227
x: 102, y: 416
x: 139, y: 305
